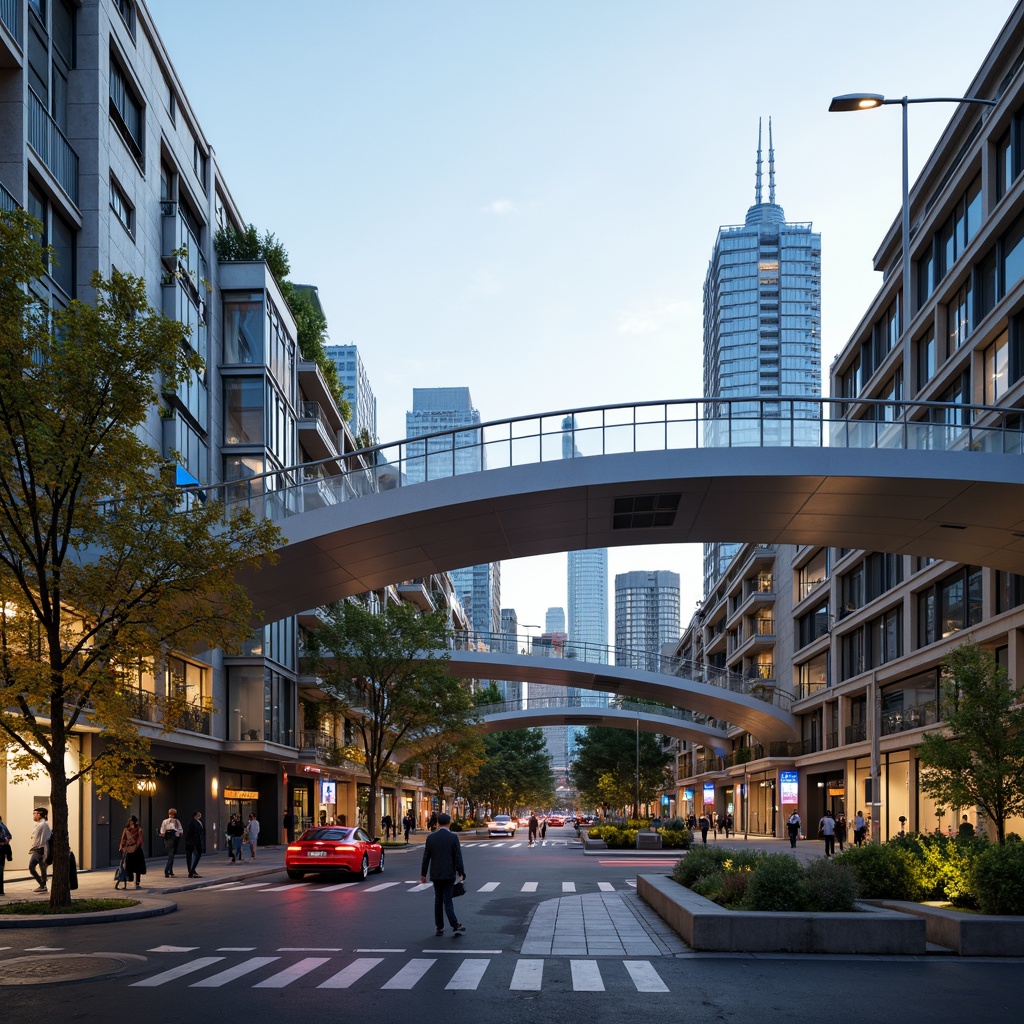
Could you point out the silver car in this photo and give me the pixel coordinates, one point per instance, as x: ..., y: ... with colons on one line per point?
x: 502, y: 825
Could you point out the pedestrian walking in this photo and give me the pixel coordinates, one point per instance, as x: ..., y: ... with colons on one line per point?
x: 252, y: 826
x: 387, y: 824
x: 793, y: 827
x: 704, y: 824
x: 842, y: 831
x: 859, y: 828
x: 288, y: 824
x: 407, y: 825
x: 827, y: 831
x: 531, y: 829
x: 544, y: 828
x: 133, y: 856
x: 171, y: 831
x: 6, y: 853
x: 38, y: 847
x: 195, y: 843
x: 442, y: 857
x: 433, y: 821
x: 727, y: 823
x: 234, y: 831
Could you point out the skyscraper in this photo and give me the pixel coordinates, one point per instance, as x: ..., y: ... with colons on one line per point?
x: 588, y: 602
x: 440, y: 409
x: 762, y: 332
x: 554, y: 620
x: 646, y: 617
x: 358, y: 393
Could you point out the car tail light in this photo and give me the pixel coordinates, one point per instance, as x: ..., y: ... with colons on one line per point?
x: 344, y: 849
x: 294, y: 849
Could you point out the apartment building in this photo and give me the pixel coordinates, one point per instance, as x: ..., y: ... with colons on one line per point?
x: 859, y: 636
x: 99, y: 141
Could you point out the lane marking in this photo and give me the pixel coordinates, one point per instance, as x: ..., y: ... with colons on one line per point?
x: 467, y: 977
x: 177, y: 972
x: 529, y: 887
x: 382, y: 885
x: 158, y: 949
x: 308, y: 949
x: 409, y: 974
x: 644, y: 976
x: 586, y: 976
x: 285, y: 888
x: 335, y: 888
x: 297, y: 970
x: 606, y: 887
x: 348, y: 976
x: 568, y: 887
x: 254, y: 963
x: 488, y: 886
x: 528, y: 976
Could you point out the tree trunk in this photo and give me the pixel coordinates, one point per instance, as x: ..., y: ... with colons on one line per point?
x: 59, y: 879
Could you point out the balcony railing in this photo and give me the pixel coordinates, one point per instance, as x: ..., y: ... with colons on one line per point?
x: 910, y: 718
x: 856, y: 733
x: 10, y: 15
x: 149, y: 707
x: 52, y: 147
x: 8, y: 204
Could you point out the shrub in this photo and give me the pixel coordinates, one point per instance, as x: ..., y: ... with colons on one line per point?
x: 710, y: 886
x: 775, y: 885
x: 676, y: 838
x: 733, y: 887
x: 674, y: 824
x: 942, y: 865
x: 884, y: 872
x: 616, y: 838
x: 999, y: 879
x: 699, y: 862
x: 828, y: 887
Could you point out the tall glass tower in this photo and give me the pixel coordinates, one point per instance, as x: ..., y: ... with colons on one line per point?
x: 646, y: 617
x: 762, y: 334
x: 439, y: 409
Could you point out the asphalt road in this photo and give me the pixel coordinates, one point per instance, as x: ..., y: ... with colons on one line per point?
x: 275, y: 951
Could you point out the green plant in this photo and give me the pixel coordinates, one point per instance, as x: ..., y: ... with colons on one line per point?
x: 710, y: 860
x: 885, y: 872
x: 999, y: 879
x: 676, y: 838
x: 775, y: 884
x: 828, y: 887
x: 733, y: 887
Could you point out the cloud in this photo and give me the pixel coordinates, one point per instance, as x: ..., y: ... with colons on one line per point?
x: 652, y: 317
x: 501, y: 207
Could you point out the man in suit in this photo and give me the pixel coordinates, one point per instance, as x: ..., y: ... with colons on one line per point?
x: 195, y: 843
x: 442, y: 855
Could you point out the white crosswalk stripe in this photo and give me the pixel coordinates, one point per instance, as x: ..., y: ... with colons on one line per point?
x: 413, y: 886
x: 488, y: 886
x: 568, y: 887
x: 383, y: 885
x: 529, y: 887
x: 528, y: 975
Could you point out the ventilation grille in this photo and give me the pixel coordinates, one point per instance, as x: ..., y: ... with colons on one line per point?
x: 645, y: 511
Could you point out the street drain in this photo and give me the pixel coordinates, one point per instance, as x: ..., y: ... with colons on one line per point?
x: 49, y: 970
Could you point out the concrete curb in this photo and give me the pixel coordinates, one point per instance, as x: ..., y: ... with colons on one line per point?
x: 146, y: 908
x: 966, y: 934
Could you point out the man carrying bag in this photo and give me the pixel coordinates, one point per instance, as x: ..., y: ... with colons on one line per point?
x: 442, y: 855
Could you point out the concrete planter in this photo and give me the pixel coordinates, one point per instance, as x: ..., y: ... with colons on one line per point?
x: 704, y: 925
x: 966, y: 934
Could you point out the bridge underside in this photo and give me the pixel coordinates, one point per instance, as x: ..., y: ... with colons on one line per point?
x: 961, y: 506
x: 611, y: 718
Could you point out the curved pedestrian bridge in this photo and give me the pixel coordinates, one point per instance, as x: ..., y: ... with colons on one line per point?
x: 933, y: 479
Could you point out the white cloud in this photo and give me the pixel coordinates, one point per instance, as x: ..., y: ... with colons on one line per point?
x: 652, y: 317
x: 501, y: 207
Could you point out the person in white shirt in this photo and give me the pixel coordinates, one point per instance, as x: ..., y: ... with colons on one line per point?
x: 253, y: 828
x: 827, y: 831
x: 171, y: 831
x: 793, y: 826
x: 41, y: 835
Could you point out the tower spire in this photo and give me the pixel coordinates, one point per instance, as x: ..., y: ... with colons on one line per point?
x: 757, y: 186
x: 771, y: 165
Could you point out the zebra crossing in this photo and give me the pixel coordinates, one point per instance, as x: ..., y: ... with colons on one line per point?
x: 415, y: 886
x: 477, y: 969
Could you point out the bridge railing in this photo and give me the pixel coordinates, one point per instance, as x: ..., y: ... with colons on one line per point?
x: 675, y: 425
x: 642, y: 660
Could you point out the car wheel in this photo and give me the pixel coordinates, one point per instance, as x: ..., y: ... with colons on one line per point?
x: 295, y: 876
x: 380, y: 866
x: 364, y: 868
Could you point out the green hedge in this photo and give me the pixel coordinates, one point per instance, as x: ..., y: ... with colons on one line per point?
x: 998, y: 879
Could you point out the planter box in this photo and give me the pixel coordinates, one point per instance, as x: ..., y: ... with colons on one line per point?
x: 704, y: 925
x: 966, y: 934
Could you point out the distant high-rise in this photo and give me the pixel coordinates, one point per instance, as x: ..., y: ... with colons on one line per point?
x: 588, y: 602
x: 441, y: 409
x: 509, y: 623
x: 762, y: 333
x: 554, y: 620
x: 646, y: 617
x: 358, y: 393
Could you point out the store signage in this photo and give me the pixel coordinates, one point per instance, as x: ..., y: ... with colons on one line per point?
x: 329, y: 792
x: 789, y: 786
x: 311, y: 768
x: 709, y: 793
x: 688, y: 793
x: 241, y: 794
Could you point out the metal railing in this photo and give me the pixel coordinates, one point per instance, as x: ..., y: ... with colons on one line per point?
x: 10, y: 15
x: 675, y: 425
x: 750, y: 683
x: 53, y: 148
x: 149, y: 707
x: 592, y: 702
x: 8, y: 204
x: 910, y: 718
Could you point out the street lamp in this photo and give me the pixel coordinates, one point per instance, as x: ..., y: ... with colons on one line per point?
x: 868, y: 101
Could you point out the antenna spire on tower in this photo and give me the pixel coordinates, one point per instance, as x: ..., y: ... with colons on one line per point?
x: 771, y: 165
x: 757, y: 186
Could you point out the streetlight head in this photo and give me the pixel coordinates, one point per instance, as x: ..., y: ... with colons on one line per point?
x: 855, y: 101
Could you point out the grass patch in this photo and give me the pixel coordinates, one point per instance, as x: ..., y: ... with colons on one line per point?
x: 42, y: 908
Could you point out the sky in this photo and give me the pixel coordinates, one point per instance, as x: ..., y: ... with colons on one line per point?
x: 521, y: 196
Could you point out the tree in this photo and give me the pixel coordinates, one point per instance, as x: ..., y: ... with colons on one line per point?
x: 103, y: 565
x: 517, y: 771
x: 450, y: 760
x: 978, y: 759
x: 603, y: 751
x: 386, y: 672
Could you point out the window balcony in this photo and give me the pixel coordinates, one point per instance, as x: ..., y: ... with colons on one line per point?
x: 316, y: 434
x: 52, y: 147
x: 11, y: 43
x: 8, y: 204
x: 910, y: 718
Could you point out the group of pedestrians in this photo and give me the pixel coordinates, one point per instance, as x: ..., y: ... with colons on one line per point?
x: 832, y: 829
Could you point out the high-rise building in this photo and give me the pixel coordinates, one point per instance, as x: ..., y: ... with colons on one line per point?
x: 443, y: 409
x: 358, y: 393
x: 588, y: 603
x: 554, y: 620
x: 762, y: 332
x: 646, y: 617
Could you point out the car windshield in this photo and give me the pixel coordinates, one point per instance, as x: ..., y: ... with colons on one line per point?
x: 502, y: 817
x: 324, y: 834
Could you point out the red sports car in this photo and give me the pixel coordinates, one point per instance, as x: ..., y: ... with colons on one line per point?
x: 333, y: 848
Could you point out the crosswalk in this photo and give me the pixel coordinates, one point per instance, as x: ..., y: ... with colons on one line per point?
x: 477, y: 969
x: 313, y: 886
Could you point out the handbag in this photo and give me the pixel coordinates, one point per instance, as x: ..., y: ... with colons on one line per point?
x: 7, y: 851
x: 121, y: 875
x: 458, y: 889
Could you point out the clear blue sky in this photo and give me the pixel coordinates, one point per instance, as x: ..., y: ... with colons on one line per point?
x: 521, y: 197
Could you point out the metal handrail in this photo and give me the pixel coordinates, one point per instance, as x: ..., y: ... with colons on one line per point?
x: 591, y: 702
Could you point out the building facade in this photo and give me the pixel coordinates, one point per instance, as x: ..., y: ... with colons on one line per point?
x: 358, y: 393
x: 762, y: 330
x: 646, y: 617
x: 859, y: 637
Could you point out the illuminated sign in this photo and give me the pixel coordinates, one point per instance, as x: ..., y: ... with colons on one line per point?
x: 709, y: 793
x: 311, y: 768
x: 688, y: 793
x: 328, y: 792
x: 789, y: 784
x: 241, y: 794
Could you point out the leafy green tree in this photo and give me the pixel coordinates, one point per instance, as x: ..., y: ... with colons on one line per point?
x: 386, y: 672
x: 103, y: 567
x: 517, y: 771
x: 978, y: 759
x: 603, y: 751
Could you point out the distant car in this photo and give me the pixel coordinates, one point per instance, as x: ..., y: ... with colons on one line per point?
x: 501, y: 825
x: 556, y: 820
x: 330, y: 849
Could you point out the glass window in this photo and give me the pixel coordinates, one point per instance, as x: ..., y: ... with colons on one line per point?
x: 972, y: 204
x: 127, y: 11
x: 243, y: 410
x: 927, y: 360
x: 126, y: 110
x: 959, y: 314
x: 1013, y: 254
x: 123, y: 209
x: 997, y: 369
x: 243, y: 331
